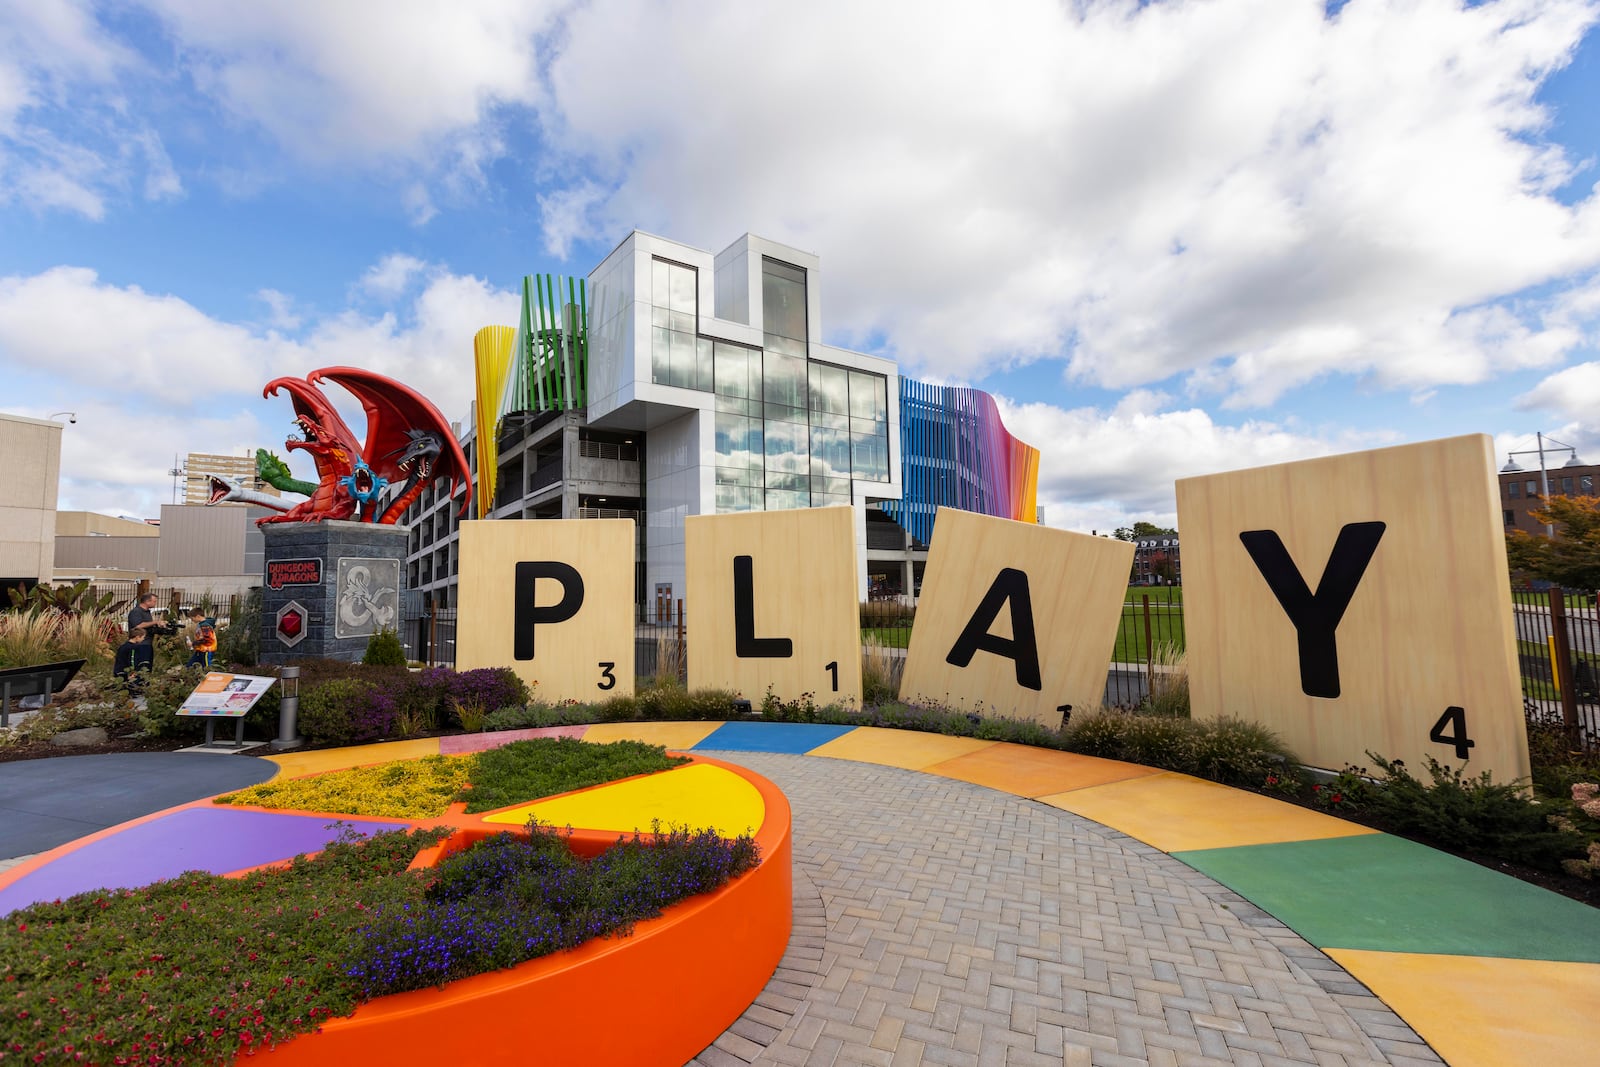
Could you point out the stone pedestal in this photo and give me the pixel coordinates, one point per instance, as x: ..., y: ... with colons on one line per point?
x: 328, y: 587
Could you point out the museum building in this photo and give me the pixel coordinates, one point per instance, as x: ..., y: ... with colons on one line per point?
x: 675, y: 382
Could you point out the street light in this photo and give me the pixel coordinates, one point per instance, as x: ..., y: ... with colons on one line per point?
x: 1511, y: 467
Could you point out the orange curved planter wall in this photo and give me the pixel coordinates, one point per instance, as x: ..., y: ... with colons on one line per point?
x: 658, y: 996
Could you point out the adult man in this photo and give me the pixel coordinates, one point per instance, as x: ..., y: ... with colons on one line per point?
x: 143, y: 619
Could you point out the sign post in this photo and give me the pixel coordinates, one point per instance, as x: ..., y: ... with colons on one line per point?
x: 225, y: 696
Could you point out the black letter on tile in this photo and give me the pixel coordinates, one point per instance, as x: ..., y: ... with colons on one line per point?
x: 1316, y: 616
x: 527, y: 612
x: 746, y: 645
x: 1010, y: 585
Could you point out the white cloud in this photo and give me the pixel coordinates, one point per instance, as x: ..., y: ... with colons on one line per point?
x: 391, y: 274
x: 68, y: 137
x: 334, y: 82
x: 1103, y: 469
x: 1248, y: 191
x: 150, y: 373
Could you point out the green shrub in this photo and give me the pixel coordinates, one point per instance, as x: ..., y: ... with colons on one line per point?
x: 618, y: 709
x: 539, y: 716
x: 527, y: 770
x: 384, y: 650
x: 328, y: 710
x: 1556, y: 766
x: 1476, y: 814
x: 164, y: 694
x: 666, y: 702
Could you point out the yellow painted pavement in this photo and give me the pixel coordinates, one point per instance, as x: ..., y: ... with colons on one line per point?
x: 1178, y: 813
x: 910, y: 749
x: 1485, y: 1011
x: 295, y: 764
x: 699, y: 796
x: 1032, y: 772
x: 678, y: 736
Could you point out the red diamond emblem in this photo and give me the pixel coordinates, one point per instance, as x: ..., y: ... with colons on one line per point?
x: 290, y: 624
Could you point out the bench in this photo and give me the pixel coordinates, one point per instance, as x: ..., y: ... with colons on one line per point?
x: 46, y: 680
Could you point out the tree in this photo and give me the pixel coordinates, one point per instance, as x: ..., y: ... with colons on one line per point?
x: 1571, y: 558
x: 1142, y: 529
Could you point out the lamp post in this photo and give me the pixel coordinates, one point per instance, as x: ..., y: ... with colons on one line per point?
x: 1512, y: 467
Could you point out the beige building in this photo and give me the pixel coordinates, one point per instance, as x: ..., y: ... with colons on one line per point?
x: 102, y: 548
x: 30, y: 469
x: 200, y: 465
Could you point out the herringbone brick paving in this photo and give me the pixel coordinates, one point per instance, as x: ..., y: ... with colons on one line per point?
x: 946, y: 923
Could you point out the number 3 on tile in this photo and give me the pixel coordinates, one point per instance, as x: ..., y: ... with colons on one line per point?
x: 1455, y: 719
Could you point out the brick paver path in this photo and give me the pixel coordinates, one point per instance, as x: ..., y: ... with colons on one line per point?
x: 945, y: 923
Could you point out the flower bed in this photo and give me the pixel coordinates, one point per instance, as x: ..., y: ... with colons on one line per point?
x: 255, y: 961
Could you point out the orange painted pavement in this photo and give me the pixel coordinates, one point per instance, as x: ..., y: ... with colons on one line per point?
x: 1483, y: 1011
x: 1033, y: 772
x: 295, y: 764
x: 1178, y: 813
x: 912, y: 750
x: 677, y: 736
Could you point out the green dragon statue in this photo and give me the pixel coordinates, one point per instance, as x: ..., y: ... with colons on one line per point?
x: 275, y: 472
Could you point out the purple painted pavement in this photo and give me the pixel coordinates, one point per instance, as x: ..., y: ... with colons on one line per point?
x: 214, y: 839
x: 457, y: 744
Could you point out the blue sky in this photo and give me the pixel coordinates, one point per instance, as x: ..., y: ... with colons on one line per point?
x: 1174, y: 238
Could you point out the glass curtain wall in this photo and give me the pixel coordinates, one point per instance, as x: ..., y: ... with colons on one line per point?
x: 677, y: 355
x: 790, y: 433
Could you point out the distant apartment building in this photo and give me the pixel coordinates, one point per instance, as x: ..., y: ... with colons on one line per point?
x: 199, y: 466
x: 1521, y: 492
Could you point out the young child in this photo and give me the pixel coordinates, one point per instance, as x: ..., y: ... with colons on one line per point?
x: 135, y: 658
x: 203, y: 645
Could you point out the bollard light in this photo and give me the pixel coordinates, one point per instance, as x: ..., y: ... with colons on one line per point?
x: 288, y: 709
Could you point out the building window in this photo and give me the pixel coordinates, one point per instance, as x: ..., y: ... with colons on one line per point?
x: 677, y: 356
x: 1586, y: 484
x: 1531, y: 487
x: 1514, y: 490
x: 1510, y: 517
x: 1566, y: 487
x: 783, y: 303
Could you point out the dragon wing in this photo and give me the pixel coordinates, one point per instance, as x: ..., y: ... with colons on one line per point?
x: 309, y: 401
x: 392, y: 409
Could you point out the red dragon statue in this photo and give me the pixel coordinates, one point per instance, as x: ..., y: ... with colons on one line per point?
x: 409, y: 445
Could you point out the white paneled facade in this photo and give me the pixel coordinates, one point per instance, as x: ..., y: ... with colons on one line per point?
x: 719, y: 361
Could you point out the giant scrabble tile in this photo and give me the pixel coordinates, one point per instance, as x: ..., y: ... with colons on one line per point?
x: 551, y: 599
x: 772, y: 603
x: 1358, y: 603
x: 1015, y: 618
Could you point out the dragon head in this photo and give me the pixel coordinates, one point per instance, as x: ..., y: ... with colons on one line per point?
x: 418, y: 455
x: 221, y: 489
x: 362, y: 484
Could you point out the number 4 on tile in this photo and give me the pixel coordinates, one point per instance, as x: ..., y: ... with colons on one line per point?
x: 1454, y: 719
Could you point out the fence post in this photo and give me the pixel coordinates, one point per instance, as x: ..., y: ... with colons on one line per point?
x: 1149, y: 649
x: 683, y: 650
x: 1565, y: 681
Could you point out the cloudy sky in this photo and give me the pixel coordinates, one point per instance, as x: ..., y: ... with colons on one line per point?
x: 1173, y: 238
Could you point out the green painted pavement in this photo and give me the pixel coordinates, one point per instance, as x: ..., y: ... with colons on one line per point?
x: 1382, y: 892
